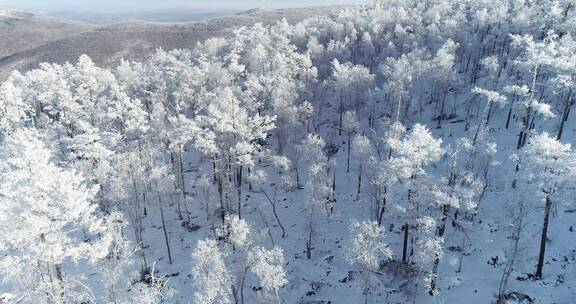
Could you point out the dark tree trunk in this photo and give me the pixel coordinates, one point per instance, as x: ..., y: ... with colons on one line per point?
x: 298, y: 185
x: 341, y: 112
x: 239, y: 189
x: 182, y: 179
x: 538, y: 274
x: 441, y: 229
x: 214, y: 169
x: 524, y: 132
x: 508, y: 118
x: 222, y: 207
x: 381, y: 211
x: 512, y: 258
x: 441, y: 116
x: 564, y: 117
x: 333, y: 198
x: 59, y: 273
x: 165, y: 233
x: 309, y: 242
x: 483, y: 124
x: 348, y: 155
x: 359, y: 182
x: 242, y: 283
x: 405, y: 244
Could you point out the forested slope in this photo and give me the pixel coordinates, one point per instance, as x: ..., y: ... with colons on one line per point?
x: 106, y: 44
x: 405, y: 152
x: 36, y: 29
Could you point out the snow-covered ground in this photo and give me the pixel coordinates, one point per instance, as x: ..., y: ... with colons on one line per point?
x: 328, y: 278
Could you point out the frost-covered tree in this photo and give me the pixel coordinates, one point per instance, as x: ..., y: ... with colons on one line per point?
x: 49, y: 223
x: 152, y: 291
x: 244, y: 257
x: 318, y: 191
x: 565, y: 79
x: 233, y: 137
x: 492, y: 98
x: 129, y: 189
x: 15, y: 112
x: 362, y: 150
x: 211, y: 278
x: 537, y: 56
x: 268, y: 266
x: 161, y: 186
x: 239, y: 257
x: 518, y: 93
x: 443, y: 73
x: 350, y: 82
x: 549, y: 166
x: 116, y: 265
x: 236, y: 232
x: 367, y: 249
x: 381, y: 173
x: 401, y: 74
x: 430, y: 249
x: 411, y: 154
x: 350, y: 125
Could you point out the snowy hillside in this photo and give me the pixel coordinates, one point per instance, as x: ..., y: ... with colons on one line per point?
x: 21, y: 31
x: 58, y: 40
x: 405, y: 152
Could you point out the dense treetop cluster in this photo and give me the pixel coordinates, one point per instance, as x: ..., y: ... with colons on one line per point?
x: 88, y: 153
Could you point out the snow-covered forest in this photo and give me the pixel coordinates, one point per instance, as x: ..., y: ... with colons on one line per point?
x: 402, y: 152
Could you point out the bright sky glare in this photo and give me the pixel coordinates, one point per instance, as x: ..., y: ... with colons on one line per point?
x: 115, y: 6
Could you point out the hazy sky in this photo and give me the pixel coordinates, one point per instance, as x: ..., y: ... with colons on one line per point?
x: 124, y: 5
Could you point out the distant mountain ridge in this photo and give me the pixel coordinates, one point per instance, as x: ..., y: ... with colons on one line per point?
x: 182, y: 14
x: 57, y: 40
x: 20, y: 31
